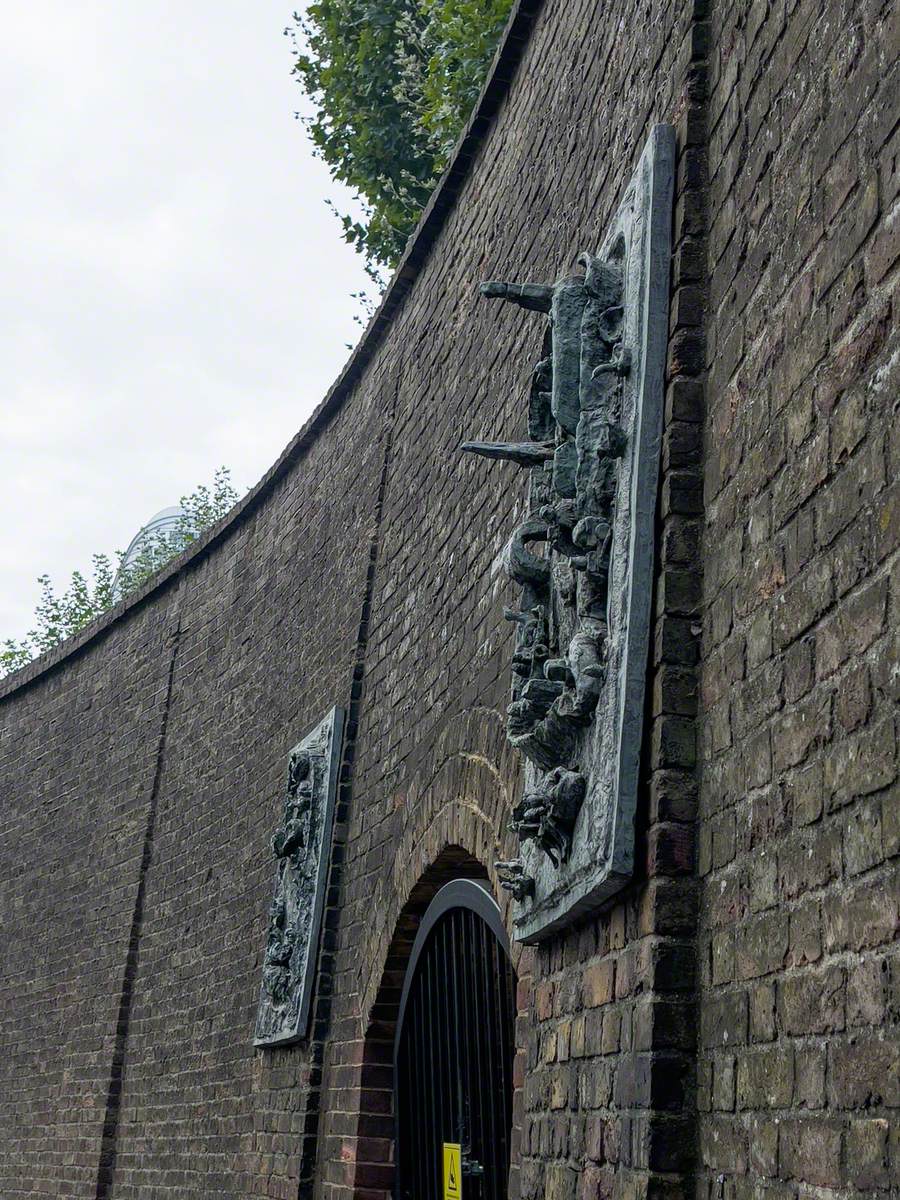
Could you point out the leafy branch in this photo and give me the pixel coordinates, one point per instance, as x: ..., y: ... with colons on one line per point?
x: 393, y: 83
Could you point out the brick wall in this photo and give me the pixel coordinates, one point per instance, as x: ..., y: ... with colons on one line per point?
x: 798, y: 1084
x: 129, y: 995
x: 605, y: 1026
x: 724, y: 1021
x: 73, y: 823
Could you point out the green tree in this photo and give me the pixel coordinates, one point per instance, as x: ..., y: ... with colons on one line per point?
x: 59, y: 617
x: 393, y: 83
x: 463, y: 36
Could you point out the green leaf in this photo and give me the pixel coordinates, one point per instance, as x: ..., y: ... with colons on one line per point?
x: 393, y: 83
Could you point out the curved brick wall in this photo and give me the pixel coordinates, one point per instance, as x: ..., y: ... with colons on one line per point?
x: 717, y: 1029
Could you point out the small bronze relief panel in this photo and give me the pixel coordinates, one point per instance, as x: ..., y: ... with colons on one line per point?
x: 302, y: 848
x: 595, y: 409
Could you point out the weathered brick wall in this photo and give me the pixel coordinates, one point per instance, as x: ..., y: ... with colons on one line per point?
x: 269, y: 628
x: 606, y: 1026
x: 173, y: 730
x: 74, y: 805
x: 141, y: 775
x: 799, y: 1082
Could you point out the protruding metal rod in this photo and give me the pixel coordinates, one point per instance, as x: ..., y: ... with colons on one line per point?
x: 536, y: 296
x: 524, y: 454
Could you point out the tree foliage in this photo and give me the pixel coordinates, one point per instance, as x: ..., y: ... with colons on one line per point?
x: 57, y: 617
x: 393, y: 83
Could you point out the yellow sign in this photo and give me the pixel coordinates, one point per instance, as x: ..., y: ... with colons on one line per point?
x: 452, y: 1171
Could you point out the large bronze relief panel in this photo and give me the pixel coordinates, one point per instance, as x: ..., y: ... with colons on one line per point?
x: 583, y: 556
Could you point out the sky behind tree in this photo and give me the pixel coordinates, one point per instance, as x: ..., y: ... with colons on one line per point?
x: 177, y: 295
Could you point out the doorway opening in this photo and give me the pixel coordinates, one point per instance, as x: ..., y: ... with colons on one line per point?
x: 453, y: 1052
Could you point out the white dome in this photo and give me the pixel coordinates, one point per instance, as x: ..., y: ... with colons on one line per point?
x: 163, y: 522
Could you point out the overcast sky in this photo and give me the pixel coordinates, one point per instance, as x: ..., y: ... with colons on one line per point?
x: 176, y: 295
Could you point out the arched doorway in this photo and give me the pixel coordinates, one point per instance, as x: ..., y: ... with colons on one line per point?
x: 453, y: 1052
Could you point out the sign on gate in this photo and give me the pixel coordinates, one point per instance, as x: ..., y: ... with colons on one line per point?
x: 452, y: 1171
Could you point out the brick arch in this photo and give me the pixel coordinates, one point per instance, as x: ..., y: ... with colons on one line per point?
x: 454, y: 826
x: 374, y: 1163
x: 374, y: 1167
x: 460, y: 795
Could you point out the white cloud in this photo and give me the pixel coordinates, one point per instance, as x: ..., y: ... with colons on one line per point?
x: 177, y: 295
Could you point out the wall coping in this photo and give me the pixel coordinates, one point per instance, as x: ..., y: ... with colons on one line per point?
x: 439, y: 207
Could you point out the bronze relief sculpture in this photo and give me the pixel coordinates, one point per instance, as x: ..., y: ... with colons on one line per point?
x: 302, y: 849
x: 583, y: 554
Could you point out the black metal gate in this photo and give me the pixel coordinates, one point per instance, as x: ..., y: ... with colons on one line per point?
x: 454, y: 1051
